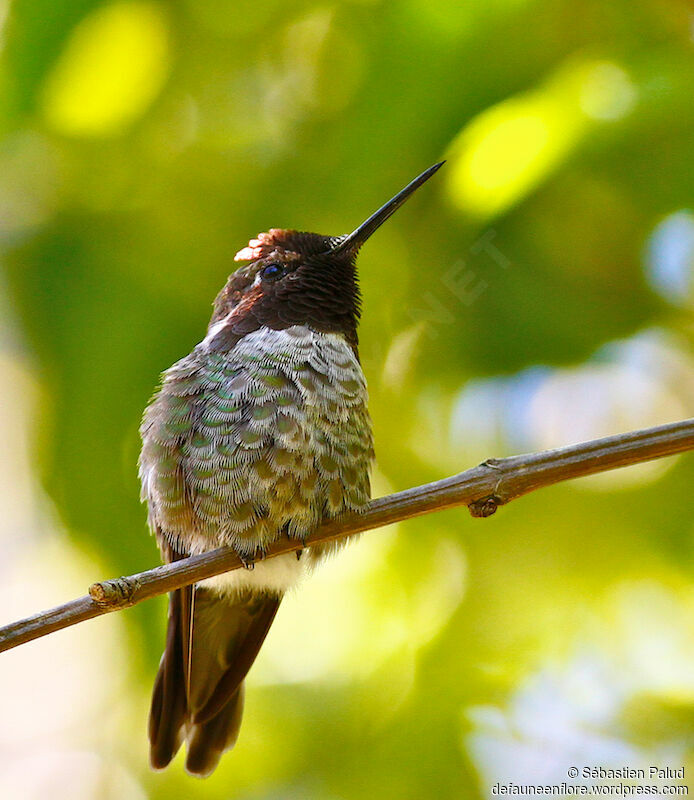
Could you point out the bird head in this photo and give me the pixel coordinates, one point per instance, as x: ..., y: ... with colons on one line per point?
x: 298, y: 278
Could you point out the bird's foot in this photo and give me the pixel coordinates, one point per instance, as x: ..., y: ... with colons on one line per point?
x: 292, y: 540
x: 302, y: 538
x: 249, y: 562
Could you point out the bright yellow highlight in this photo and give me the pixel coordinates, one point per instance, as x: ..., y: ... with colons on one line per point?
x: 112, y: 68
x: 509, y: 149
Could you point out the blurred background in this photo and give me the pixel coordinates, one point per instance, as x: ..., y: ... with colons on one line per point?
x: 537, y: 292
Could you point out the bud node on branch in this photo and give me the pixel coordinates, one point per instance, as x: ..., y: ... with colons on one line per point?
x: 118, y: 592
x: 485, y: 507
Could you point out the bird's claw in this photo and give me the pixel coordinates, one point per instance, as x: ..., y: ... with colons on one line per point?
x: 249, y: 562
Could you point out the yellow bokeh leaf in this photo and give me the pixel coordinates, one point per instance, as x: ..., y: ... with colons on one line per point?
x: 506, y: 151
x: 113, y: 66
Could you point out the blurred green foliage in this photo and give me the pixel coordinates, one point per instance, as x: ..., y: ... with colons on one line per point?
x: 547, y: 269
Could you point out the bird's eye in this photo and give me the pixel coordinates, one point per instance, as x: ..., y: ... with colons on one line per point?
x: 271, y: 272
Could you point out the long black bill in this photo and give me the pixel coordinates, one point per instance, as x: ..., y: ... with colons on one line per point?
x: 353, y: 241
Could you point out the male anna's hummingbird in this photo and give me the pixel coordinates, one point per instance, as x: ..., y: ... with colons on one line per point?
x: 261, y: 432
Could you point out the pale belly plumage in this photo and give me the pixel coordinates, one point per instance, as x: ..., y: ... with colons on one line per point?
x: 267, y: 439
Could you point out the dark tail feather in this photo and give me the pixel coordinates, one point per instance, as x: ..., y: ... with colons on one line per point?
x: 227, y: 637
x: 198, y: 693
x: 208, y: 741
x: 167, y: 717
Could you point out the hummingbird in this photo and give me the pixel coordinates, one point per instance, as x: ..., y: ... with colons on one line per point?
x: 261, y: 432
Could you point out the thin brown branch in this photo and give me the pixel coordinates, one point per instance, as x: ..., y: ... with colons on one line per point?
x: 483, y: 489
